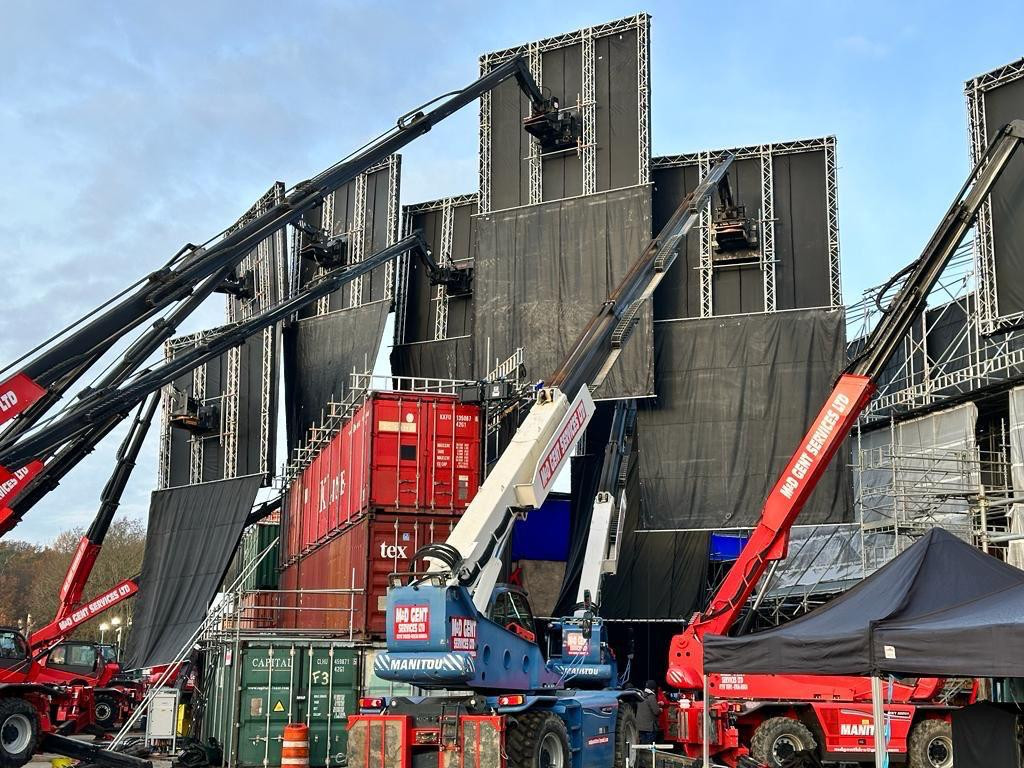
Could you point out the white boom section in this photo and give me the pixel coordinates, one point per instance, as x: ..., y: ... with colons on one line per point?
x: 522, y: 478
x: 601, y: 558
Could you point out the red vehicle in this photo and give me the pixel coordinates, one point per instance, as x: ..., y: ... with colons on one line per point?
x: 29, y: 708
x: 81, y: 663
x: 773, y: 716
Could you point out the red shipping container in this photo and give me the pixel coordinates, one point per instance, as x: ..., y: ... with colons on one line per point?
x: 400, y: 452
x: 360, y: 558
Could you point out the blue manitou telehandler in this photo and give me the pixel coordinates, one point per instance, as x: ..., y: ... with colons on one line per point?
x: 499, y: 701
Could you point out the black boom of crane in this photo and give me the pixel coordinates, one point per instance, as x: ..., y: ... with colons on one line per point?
x: 192, y: 275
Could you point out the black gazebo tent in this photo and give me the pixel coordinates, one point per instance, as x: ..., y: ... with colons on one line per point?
x: 942, y: 607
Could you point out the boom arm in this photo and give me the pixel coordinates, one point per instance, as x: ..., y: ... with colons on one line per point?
x: 48, y: 375
x: 89, y: 547
x: 601, y: 552
x: 100, y: 406
x: 769, y: 540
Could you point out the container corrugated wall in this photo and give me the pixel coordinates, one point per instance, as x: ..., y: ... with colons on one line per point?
x: 400, y: 452
x: 360, y: 559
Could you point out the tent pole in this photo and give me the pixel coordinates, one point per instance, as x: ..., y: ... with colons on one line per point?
x: 706, y: 745
x: 878, y: 714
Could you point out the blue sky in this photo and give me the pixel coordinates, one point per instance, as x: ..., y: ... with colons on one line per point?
x: 127, y: 129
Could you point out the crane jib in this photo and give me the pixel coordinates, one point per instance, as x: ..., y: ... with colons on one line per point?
x: 558, y: 449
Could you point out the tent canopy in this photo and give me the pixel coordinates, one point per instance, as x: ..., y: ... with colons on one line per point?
x: 941, y: 607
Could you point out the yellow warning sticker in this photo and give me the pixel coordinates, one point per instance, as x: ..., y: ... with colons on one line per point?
x: 279, y: 706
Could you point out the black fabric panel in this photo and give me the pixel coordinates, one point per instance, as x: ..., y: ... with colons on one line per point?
x: 542, y: 271
x: 660, y: 575
x: 249, y: 402
x: 941, y: 608
x: 679, y: 293
x: 735, y: 396
x: 618, y: 134
x: 1002, y: 105
x: 191, y: 536
x: 801, y: 239
x: 375, y: 238
x: 948, y: 343
x: 447, y: 359
x: 509, y: 147
x: 320, y: 353
x: 985, y: 736
x: 421, y: 297
x: 562, y: 173
x: 585, y: 475
x: 801, y: 231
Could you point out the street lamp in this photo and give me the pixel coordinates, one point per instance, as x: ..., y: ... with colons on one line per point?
x: 116, y: 621
x: 103, y: 630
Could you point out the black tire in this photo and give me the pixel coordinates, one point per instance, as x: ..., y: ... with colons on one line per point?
x: 19, y: 732
x: 626, y: 733
x: 105, y: 711
x: 779, y: 737
x: 538, y: 740
x: 930, y: 745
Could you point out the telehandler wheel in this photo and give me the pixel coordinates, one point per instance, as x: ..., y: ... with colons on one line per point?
x: 779, y: 737
x: 626, y: 734
x: 930, y: 745
x: 105, y: 711
x: 19, y: 732
x: 540, y: 740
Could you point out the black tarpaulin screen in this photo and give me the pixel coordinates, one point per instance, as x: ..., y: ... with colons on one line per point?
x: 320, y: 354
x: 543, y: 270
x: 942, y: 607
x: 735, y: 395
x: 661, y: 574
x: 192, y: 535
x: 1002, y: 105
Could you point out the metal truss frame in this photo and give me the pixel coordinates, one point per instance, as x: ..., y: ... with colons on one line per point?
x: 765, y: 154
x: 323, y: 304
x: 357, y: 238
x: 706, y: 265
x: 984, y: 244
x: 588, y: 150
x: 442, y: 205
x: 444, y: 259
x: 588, y: 115
x: 835, y: 272
x: 969, y: 360
x: 393, y: 223
x: 768, y: 227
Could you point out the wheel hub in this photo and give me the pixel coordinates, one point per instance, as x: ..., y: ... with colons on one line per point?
x: 16, y: 733
x: 552, y: 753
x: 940, y: 752
x: 785, y: 746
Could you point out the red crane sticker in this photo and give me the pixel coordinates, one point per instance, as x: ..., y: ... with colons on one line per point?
x: 16, y: 394
x: 412, y: 622
x: 12, y: 483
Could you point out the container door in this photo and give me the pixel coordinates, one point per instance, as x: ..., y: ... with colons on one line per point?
x: 269, y: 696
x: 332, y: 676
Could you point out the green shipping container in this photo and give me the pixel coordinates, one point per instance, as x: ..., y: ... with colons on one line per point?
x: 252, y: 693
x: 254, y: 541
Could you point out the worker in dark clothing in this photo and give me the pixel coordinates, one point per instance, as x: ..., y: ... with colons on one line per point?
x: 647, y: 712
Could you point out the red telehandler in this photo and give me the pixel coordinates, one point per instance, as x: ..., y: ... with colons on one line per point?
x: 777, y: 715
